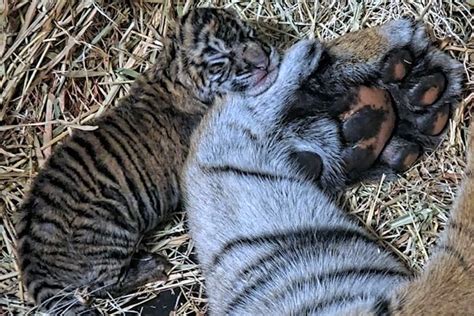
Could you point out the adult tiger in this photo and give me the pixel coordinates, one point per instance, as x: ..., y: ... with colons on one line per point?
x: 269, y: 238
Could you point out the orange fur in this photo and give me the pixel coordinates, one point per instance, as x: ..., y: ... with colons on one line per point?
x: 446, y: 287
x: 360, y: 46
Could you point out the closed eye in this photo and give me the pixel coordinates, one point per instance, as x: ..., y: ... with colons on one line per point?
x: 244, y: 75
x: 210, y: 51
x: 215, y: 68
x: 243, y: 71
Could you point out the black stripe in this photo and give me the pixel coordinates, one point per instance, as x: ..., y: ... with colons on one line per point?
x: 315, y: 235
x: 108, y: 253
x: 315, y: 307
x: 196, y: 29
x: 48, y: 263
x: 341, y: 274
x: 24, y: 248
x: 155, y: 198
x: 155, y: 118
x: 106, y: 188
x: 40, y: 218
x: 382, y: 307
x: 112, y: 194
x: 63, y: 186
x: 164, y: 85
x: 56, y: 252
x: 88, y: 147
x: 59, y: 205
x: 128, y: 220
x: 150, y: 151
x: 126, y: 150
x: 43, y: 240
x: 166, y: 130
x: 162, y: 128
x: 225, y: 77
x: 78, y: 197
x: 130, y: 184
x: 245, y: 173
x: 144, y: 139
x: 256, y: 286
x: 292, y: 252
x: 65, y: 193
x: 25, y: 210
x: 73, y: 175
x: 78, y: 159
x: 108, y: 238
x: 115, y: 215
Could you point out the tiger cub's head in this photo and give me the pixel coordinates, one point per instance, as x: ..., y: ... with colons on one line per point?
x: 219, y: 54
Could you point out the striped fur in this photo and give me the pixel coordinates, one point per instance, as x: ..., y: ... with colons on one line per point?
x: 269, y: 239
x: 103, y: 190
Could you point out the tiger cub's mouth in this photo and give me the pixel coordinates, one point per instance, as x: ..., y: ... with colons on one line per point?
x: 262, y: 79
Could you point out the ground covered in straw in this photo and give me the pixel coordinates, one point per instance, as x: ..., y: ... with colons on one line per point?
x: 64, y: 62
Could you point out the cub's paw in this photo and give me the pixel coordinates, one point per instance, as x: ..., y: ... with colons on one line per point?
x: 144, y: 268
x: 425, y: 89
x: 300, y: 61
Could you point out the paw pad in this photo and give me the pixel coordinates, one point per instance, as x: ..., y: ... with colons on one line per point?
x: 367, y: 124
x: 428, y: 90
x: 434, y: 123
x: 397, y: 66
x: 400, y: 154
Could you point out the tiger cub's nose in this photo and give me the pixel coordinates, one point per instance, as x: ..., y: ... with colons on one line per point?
x: 255, y: 56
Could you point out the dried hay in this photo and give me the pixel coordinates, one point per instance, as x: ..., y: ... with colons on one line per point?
x: 64, y: 62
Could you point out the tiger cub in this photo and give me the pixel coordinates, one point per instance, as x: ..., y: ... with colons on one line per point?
x: 101, y: 191
x: 268, y: 237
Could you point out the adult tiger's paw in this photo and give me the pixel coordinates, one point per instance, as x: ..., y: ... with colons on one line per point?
x: 423, y: 85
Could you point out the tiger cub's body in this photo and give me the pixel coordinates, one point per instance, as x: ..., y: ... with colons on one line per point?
x: 103, y: 190
x: 270, y: 239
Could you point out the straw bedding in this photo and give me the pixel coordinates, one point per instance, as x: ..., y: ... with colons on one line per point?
x: 64, y: 62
